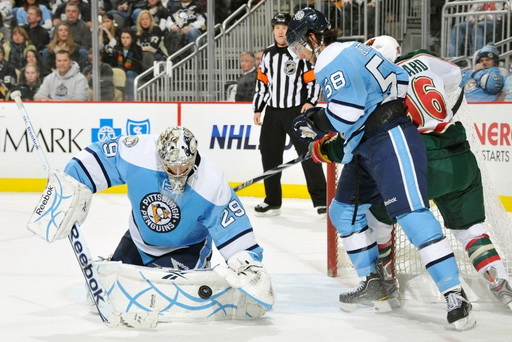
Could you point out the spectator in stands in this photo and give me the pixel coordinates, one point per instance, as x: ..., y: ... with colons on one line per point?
x: 127, y: 55
x: 7, y: 76
x: 66, y: 83
x: 119, y: 7
x: 79, y: 29
x: 84, y: 9
x: 31, y: 81
x: 5, y: 30
x: 106, y: 77
x: 157, y: 10
x: 37, y: 34
x: 32, y: 57
x: 62, y: 40
x: 485, y: 82
x: 485, y: 26
x: 247, y: 82
x: 186, y: 18
x: 16, y: 49
x: 22, y: 14
x: 109, y: 36
x: 150, y: 38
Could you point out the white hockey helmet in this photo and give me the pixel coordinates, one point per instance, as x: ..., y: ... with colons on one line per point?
x: 387, y: 46
x: 177, y: 151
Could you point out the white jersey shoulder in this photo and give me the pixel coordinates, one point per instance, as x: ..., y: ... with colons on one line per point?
x: 140, y: 150
x: 210, y: 183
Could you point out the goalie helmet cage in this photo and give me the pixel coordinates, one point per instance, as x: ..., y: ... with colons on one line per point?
x: 406, y: 258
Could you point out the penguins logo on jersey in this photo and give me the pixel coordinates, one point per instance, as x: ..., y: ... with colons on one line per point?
x: 290, y: 67
x: 160, y: 213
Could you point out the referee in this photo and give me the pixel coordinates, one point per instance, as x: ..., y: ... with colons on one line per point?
x: 287, y: 87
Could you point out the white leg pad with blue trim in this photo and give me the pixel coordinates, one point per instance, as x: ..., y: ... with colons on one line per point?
x: 175, y: 295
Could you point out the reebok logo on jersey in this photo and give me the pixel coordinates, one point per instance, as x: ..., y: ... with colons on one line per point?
x: 160, y: 213
x: 389, y: 201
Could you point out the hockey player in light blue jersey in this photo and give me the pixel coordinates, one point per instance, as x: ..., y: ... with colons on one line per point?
x: 181, y: 205
x: 384, y: 157
x: 180, y: 200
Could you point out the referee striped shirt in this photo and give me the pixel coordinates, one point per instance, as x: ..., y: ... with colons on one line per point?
x: 283, y: 81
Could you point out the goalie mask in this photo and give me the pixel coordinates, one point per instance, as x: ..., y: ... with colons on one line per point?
x: 305, y: 21
x: 177, y: 151
x: 387, y: 46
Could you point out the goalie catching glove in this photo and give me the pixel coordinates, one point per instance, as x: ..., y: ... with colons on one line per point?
x: 64, y: 203
x: 248, y: 275
x: 328, y: 149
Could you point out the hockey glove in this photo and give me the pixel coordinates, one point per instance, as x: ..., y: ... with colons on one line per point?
x: 249, y: 276
x: 318, y: 153
x: 64, y: 203
x: 304, y: 127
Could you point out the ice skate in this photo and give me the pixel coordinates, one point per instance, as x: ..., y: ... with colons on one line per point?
x: 265, y: 209
x: 370, y: 295
x: 500, y: 288
x: 459, y: 310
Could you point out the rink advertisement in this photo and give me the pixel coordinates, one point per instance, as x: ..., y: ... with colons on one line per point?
x: 225, y: 131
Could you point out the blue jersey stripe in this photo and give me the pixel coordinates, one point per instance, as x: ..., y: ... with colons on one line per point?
x: 407, y: 170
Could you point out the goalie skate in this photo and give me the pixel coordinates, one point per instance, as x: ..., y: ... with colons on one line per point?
x: 459, y: 310
x: 371, y: 295
x: 500, y: 288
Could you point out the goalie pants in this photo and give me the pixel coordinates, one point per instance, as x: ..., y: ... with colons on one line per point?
x: 277, y: 123
x: 186, y: 258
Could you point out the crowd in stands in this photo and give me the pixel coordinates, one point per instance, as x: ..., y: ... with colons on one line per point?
x: 133, y: 34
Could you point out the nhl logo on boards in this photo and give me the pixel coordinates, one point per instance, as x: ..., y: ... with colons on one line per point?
x: 160, y: 213
x: 290, y: 67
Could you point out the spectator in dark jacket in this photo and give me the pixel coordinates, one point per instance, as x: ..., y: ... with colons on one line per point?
x: 247, y: 82
x: 38, y: 35
x: 127, y: 55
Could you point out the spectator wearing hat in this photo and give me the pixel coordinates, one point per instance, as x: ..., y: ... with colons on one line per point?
x: 485, y: 83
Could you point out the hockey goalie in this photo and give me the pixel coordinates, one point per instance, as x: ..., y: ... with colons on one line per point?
x: 181, y: 206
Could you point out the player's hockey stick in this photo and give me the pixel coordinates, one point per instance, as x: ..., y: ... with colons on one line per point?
x: 84, y: 257
x: 275, y: 170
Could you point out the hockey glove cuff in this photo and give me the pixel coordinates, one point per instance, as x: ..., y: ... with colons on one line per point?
x: 318, y: 154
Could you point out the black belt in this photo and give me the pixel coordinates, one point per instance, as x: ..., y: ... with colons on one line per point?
x: 385, y: 113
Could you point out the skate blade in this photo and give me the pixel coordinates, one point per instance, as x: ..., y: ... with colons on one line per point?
x: 394, y: 302
x: 271, y: 212
x: 465, y: 323
x: 373, y: 306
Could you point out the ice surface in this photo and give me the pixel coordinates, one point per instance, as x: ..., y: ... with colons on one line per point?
x: 43, y: 296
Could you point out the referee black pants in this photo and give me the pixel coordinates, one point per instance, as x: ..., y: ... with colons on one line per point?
x: 277, y: 123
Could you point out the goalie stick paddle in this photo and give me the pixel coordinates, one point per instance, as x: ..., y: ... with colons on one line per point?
x: 84, y: 257
x: 275, y: 170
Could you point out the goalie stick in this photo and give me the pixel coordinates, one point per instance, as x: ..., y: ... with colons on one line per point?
x: 271, y: 172
x: 84, y: 257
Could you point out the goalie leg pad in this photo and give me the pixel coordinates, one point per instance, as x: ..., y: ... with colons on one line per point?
x: 175, y: 295
x: 64, y: 202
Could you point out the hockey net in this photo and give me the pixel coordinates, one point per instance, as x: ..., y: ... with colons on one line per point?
x: 410, y: 271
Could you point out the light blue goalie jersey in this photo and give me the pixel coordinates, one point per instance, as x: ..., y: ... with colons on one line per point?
x: 160, y: 222
x: 356, y: 79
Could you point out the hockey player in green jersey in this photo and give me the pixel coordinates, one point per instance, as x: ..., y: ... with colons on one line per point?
x: 453, y: 176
